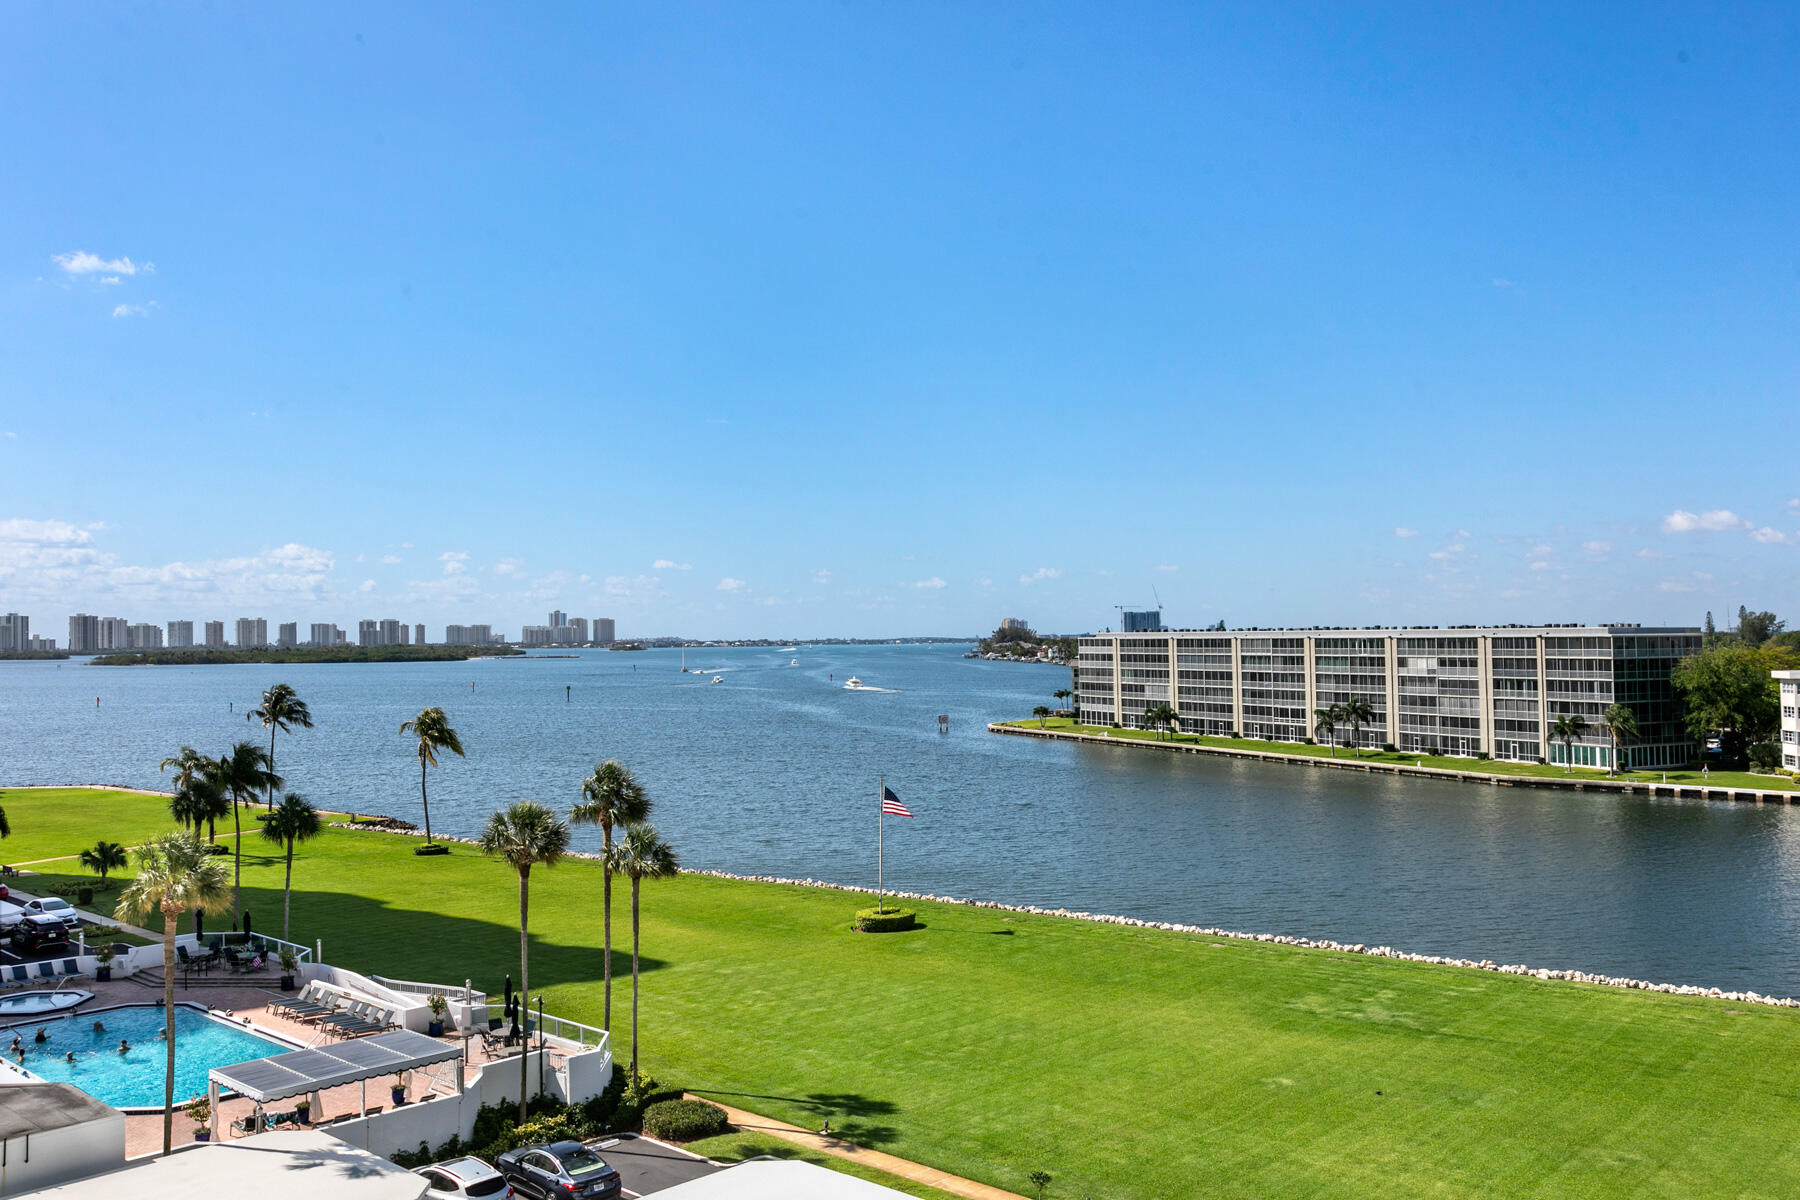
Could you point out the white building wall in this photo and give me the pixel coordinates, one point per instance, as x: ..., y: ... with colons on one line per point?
x: 1789, y: 738
x: 42, y: 1160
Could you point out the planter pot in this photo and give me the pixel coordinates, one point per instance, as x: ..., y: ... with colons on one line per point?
x: 303, y: 1115
x: 399, y: 1097
x: 435, y: 1029
x: 203, y: 1135
x: 102, y: 974
x: 287, y: 983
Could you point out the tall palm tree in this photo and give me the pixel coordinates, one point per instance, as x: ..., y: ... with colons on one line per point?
x: 103, y: 857
x: 241, y: 774
x: 1622, y: 726
x: 1325, y: 725
x: 434, y: 733
x: 5, y: 825
x: 610, y: 797
x: 281, y: 709
x: 1356, y: 710
x: 189, y: 764
x: 1160, y: 717
x: 292, y: 821
x: 1062, y: 694
x: 174, y: 874
x: 525, y: 834
x: 1568, y: 727
x: 640, y: 854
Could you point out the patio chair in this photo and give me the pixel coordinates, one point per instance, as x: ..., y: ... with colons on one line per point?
x: 21, y: 975
x: 308, y: 998
x: 46, y: 970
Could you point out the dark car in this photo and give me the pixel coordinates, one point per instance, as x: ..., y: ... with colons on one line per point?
x: 560, y: 1169
x: 38, y: 932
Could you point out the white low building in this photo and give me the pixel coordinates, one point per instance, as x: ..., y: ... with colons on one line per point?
x: 284, y: 1165
x: 1789, y: 683
x: 51, y: 1133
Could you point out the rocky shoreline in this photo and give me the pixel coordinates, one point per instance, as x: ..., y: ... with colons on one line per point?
x: 1278, y: 939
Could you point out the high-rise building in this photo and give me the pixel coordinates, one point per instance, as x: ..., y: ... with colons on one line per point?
x: 41, y: 645
x: 1149, y: 621
x: 114, y: 634
x: 325, y: 634
x: 1014, y: 623
x: 144, y: 636
x: 215, y: 635
x: 390, y: 633
x: 536, y: 635
x: 1491, y: 690
x: 252, y: 632
x: 578, y: 629
x: 557, y: 617
x: 84, y: 634
x: 368, y: 633
x: 15, y: 632
x: 419, y: 634
x: 405, y: 633
x: 468, y: 635
x: 288, y: 636
x: 181, y: 634
x: 603, y: 631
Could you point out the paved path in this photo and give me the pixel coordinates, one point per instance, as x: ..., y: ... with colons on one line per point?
x: 929, y: 1176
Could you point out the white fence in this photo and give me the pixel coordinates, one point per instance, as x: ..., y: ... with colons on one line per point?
x: 466, y: 1007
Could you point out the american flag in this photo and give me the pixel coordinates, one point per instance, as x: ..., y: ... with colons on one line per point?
x: 890, y: 804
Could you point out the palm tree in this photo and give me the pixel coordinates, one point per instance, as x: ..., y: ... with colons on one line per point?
x: 640, y: 854
x: 1325, y: 725
x: 1062, y: 694
x: 610, y: 797
x: 5, y: 825
x: 281, y: 709
x: 1356, y: 710
x: 293, y: 821
x: 189, y: 764
x: 103, y: 857
x: 434, y: 733
x: 1621, y: 725
x: 174, y: 874
x: 1160, y: 717
x: 526, y: 834
x: 1041, y: 712
x: 241, y: 774
x: 1567, y: 728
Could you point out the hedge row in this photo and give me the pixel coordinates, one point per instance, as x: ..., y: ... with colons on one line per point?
x: 684, y: 1120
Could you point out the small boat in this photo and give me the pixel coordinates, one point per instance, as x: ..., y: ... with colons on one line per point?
x: 793, y: 662
x: 856, y: 685
x: 718, y: 679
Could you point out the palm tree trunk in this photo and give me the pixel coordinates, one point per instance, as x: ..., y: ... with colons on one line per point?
x: 635, y: 881
x: 169, y: 920
x: 270, y: 805
x: 287, y: 889
x: 606, y: 920
x: 237, y: 854
x: 524, y: 980
x: 427, y: 805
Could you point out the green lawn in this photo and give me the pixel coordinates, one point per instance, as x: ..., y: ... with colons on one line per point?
x: 1127, y: 1062
x: 736, y: 1147
x: 63, y: 821
x: 1684, y: 776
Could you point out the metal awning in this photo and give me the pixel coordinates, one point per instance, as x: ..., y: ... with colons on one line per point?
x: 299, y: 1072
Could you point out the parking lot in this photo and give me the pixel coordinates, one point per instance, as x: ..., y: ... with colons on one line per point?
x: 646, y: 1167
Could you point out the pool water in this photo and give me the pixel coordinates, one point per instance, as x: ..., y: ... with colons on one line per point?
x: 133, y: 1079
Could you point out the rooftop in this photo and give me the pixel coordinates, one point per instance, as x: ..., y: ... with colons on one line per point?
x: 29, y: 1107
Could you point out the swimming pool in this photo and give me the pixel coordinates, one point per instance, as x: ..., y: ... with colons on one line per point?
x: 134, y: 1079
x: 24, y: 1004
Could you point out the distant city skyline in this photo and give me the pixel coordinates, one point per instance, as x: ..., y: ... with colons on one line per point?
x: 90, y: 633
x: 872, y: 321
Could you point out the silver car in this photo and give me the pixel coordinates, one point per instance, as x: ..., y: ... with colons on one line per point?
x: 460, y: 1177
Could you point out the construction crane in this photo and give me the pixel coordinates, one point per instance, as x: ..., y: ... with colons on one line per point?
x: 1127, y: 608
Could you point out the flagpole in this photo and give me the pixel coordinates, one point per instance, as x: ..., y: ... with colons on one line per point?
x: 880, y: 807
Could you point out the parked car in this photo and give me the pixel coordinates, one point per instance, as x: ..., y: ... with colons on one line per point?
x: 10, y: 916
x: 559, y: 1169
x: 456, y: 1178
x: 55, y: 906
x: 37, y: 932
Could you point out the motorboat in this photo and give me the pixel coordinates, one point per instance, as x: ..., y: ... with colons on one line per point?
x: 856, y: 685
x: 793, y: 662
x: 718, y: 679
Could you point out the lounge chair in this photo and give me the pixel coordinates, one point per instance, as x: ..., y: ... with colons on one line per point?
x: 21, y: 975
x: 46, y: 970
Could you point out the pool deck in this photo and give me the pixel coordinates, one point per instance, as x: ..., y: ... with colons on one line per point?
x: 248, y: 1003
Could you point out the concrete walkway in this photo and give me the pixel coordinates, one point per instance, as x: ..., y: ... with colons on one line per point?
x: 929, y: 1176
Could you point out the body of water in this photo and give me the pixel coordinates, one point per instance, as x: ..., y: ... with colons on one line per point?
x: 775, y: 771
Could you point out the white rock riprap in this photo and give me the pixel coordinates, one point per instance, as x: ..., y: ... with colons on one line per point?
x: 1569, y: 975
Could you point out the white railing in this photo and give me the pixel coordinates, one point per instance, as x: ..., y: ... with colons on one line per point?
x: 413, y: 987
x: 566, y: 1030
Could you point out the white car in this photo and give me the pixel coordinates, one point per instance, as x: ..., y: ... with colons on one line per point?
x: 54, y: 906
x: 460, y: 1177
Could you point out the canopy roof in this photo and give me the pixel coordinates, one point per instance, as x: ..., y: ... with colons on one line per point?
x: 300, y: 1071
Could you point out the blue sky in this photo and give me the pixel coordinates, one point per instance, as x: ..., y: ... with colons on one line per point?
x: 862, y: 319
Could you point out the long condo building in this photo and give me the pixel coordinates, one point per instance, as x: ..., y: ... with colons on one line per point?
x: 1494, y: 690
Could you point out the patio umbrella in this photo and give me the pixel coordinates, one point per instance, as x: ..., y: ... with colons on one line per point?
x: 199, y: 924
x: 246, y: 924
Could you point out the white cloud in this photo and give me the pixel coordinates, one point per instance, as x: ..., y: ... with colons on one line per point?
x: 1770, y: 537
x: 1540, y: 550
x: 367, y: 585
x: 509, y: 566
x: 1039, y: 575
x: 728, y: 584
x: 455, y: 561
x: 130, y: 310
x: 1649, y: 555
x: 1403, y: 531
x: 667, y: 564
x: 821, y: 576
x: 1503, y: 283
x: 43, y: 533
x: 1712, y: 521
x: 1447, y: 552
x: 109, y: 280
x: 1794, y: 505
x: 1166, y: 568
x: 1674, y: 585
x: 1596, y: 548
x: 1540, y: 565
x: 8, y: 433
x: 933, y: 583
x: 389, y: 559
x: 80, y: 262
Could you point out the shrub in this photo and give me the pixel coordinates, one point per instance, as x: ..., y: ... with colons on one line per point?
x: 684, y: 1120
x: 635, y: 1099
x: 1765, y: 756
x: 891, y: 920
x: 1309, y: 741
x: 1482, y: 754
x: 430, y: 848
x: 1434, y: 751
x: 1387, y: 747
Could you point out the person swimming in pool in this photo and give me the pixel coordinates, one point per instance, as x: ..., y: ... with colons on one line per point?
x: 124, y: 1046
x: 69, y: 1057
x: 99, y: 1027
x: 41, y: 1036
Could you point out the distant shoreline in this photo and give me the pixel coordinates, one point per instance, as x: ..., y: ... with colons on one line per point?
x: 351, y: 654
